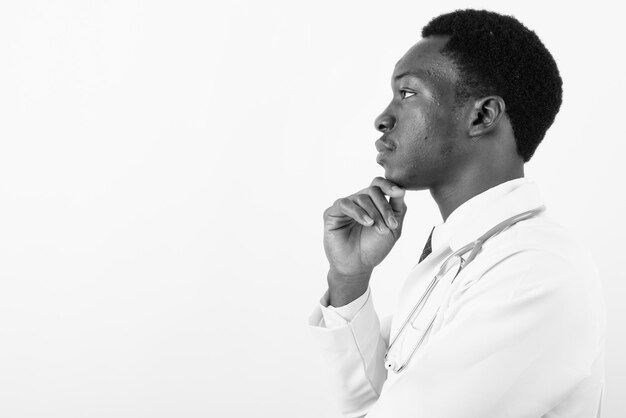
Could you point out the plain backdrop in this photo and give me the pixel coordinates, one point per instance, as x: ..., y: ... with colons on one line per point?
x: 164, y: 166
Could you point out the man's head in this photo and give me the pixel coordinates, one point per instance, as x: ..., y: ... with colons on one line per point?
x: 486, y: 87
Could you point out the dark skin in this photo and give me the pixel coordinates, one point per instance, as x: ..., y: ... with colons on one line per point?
x: 430, y: 141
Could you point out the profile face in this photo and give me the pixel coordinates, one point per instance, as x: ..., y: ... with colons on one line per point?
x: 422, y: 129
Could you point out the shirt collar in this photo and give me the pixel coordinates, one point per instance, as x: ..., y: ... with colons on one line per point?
x: 480, y: 213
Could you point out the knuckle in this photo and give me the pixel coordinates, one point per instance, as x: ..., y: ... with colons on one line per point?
x: 376, y: 190
x: 342, y: 203
x: 361, y: 198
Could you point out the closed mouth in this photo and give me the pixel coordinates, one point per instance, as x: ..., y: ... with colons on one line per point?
x: 382, y: 146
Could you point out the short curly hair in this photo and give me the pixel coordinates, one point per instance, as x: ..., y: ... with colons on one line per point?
x: 497, y: 55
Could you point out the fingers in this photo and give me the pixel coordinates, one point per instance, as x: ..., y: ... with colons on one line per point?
x: 359, y: 208
x: 373, y: 200
x: 383, y: 207
x: 388, y: 187
x: 346, y: 207
x: 395, y: 193
x: 370, y: 207
x: 380, y: 215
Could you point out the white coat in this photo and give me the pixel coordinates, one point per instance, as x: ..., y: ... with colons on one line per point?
x: 520, y: 332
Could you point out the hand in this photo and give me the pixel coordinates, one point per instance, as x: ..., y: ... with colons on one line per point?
x: 361, y: 229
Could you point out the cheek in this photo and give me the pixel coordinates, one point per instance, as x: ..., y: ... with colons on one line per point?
x: 420, y: 137
x: 433, y: 137
x: 428, y: 129
x: 447, y: 149
x: 443, y: 121
x: 444, y: 128
x: 428, y: 133
x: 432, y: 122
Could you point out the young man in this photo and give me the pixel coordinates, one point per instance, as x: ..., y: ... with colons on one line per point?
x: 515, y: 325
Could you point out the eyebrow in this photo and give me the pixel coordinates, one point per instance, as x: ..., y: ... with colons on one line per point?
x: 409, y: 73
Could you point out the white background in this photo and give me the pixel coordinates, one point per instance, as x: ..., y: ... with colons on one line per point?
x: 164, y: 167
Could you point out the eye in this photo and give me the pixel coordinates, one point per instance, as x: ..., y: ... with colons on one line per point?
x: 403, y: 94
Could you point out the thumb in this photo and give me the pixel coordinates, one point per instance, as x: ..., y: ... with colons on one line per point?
x: 395, y: 193
x: 396, y: 200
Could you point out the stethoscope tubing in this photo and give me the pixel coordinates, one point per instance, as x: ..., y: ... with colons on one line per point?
x: 475, y: 247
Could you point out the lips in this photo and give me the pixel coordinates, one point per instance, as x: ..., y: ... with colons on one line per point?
x: 383, y: 149
x: 382, y: 146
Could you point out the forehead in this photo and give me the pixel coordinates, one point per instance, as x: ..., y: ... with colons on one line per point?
x: 424, y: 59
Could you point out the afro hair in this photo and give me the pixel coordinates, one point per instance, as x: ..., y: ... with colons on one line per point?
x: 497, y: 55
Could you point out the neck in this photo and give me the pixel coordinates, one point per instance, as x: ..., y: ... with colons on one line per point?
x: 469, y: 184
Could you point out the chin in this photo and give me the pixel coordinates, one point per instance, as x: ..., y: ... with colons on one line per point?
x: 396, y: 179
x: 405, y: 181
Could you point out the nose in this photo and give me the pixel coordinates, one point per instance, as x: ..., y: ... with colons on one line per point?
x: 385, y: 122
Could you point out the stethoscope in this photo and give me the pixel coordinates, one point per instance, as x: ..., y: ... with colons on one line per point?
x: 474, y: 247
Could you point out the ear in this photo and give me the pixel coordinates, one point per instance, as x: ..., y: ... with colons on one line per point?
x: 486, y: 115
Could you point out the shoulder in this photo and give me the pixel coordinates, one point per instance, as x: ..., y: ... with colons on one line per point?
x: 537, y: 258
x: 540, y: 263
x: 539, y: 269
x: 541, y: 244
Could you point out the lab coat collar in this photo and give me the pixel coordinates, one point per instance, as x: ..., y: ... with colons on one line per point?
x: 485, y: 210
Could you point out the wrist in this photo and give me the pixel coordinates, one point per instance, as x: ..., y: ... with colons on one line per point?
x: 343, y: 288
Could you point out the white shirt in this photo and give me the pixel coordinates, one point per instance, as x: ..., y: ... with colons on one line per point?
x: 520, y: 332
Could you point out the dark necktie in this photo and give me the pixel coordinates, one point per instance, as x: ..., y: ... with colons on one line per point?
x: 427, y: 248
